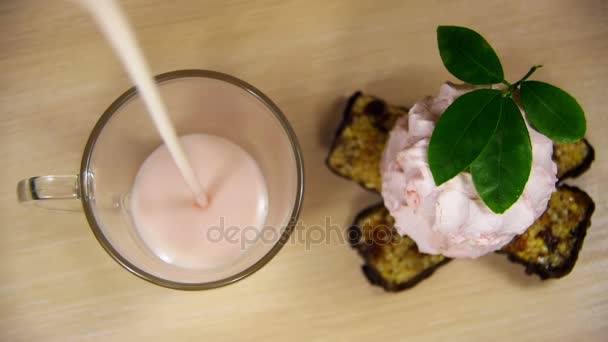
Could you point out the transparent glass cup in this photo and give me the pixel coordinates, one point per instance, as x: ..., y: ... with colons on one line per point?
x: 199, y: 101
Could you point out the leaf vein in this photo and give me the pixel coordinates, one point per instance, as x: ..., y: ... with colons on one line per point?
x: 462, y: 134
x: 549, y: 109
x: 465, y: 54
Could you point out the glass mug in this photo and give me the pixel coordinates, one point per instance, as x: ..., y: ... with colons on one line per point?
x: 198, y: 101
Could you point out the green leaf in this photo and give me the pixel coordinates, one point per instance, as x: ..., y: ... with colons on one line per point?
x: 501, y: 171
x: 463, y: 131
x: 468, y: 56
x: 553, y: 112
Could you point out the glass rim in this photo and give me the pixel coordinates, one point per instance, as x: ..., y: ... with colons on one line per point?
x: 121, y: 260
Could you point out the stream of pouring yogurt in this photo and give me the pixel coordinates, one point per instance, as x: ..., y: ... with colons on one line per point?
x: 117, y: 30
x: 174, y: 226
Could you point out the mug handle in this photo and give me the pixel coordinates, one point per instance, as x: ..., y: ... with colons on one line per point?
x: 50, y: 192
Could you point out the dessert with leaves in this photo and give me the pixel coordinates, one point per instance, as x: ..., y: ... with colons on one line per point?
x: 482, y: 163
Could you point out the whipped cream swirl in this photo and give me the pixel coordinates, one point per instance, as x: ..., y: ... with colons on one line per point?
x: 451, y: 219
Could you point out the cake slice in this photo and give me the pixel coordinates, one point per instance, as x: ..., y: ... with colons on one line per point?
x: 573, y: 159
x: 357, y: 147
x: 391, y: 261
x: 550, y: 247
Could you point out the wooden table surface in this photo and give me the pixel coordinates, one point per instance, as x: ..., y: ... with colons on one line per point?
x: 58, y: 75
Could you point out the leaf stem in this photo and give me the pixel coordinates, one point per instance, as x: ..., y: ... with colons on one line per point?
x: 505, y: 82
x: 526, y: 76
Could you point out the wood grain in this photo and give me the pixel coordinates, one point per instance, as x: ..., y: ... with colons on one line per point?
x: 58, y: 76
